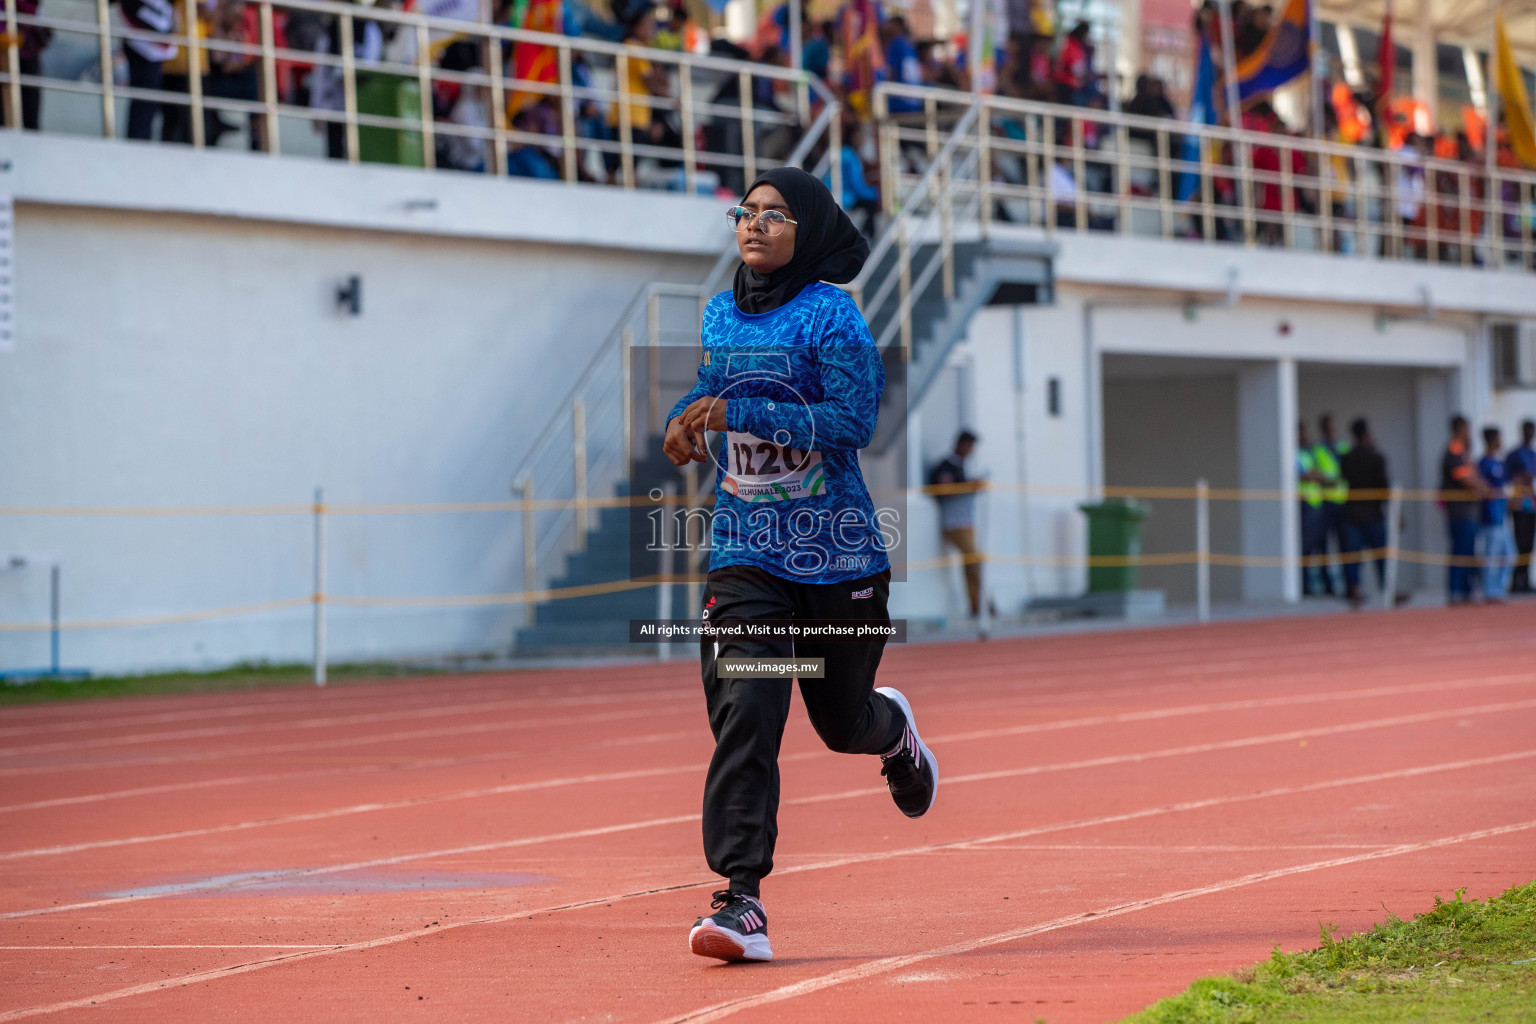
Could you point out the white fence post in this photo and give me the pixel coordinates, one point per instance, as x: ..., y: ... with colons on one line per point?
x: 319, y: 586
x: 1394, y: 517
x: 1203, y: 550
x: 530, y: 545
x: 664, y: 570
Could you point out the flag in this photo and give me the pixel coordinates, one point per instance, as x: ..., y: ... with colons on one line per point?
x: 458, y: 10
x: 861, y: 43
x: 1284, y: 54
x: 530, y: 61
x: 1513, y: 100
x: 1202, y: 110
x: 1386, y: 66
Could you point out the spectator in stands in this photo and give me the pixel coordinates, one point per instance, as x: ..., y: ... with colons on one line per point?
x: 1520, y: 470
x: 901, y: 62
x: 1073, y: 72
x: 1411, y: 194
x: 146, y: 58
x: 233, y: 75
x: 1460, y: 488
x: 326, y: 89
x: 33, y: 38
x: 723, y: 133
x: 1041, y: 84
x: 461, y: 105
x: 859, y: 197
x: 1497, y: 542
x: 647, y: 125
x: 1250, y: 26
x: 1150, y: 99
x: 816, y: 48
x: 526, y: 160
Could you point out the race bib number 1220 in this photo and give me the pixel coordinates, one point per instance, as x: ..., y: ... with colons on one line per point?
x: 758, y: 470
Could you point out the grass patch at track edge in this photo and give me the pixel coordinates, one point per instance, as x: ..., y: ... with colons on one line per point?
x: 1459, y: 962
x: 248, y: 676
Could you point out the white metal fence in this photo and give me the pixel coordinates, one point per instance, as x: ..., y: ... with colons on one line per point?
x: 713, y: 130
x: 1065, y: 168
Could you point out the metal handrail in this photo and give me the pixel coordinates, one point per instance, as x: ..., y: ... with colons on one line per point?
x: 613, y: 362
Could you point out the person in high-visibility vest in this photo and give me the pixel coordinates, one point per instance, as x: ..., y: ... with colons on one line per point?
x: 1326, y: 454
x: 1314, y: 528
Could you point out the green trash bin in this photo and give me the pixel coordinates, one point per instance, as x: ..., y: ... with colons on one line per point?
x: 1114, y: 529
x: 389, y: 96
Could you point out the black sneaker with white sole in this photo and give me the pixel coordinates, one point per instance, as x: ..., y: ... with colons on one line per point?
x: 910, y: 770
x: 737, y: 930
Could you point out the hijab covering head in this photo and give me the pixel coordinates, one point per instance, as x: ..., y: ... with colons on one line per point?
x: 827, y: 245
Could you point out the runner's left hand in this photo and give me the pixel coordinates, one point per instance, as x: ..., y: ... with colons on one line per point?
x: 704, y: 414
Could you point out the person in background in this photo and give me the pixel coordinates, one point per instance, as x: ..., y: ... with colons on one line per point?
x: 1073, y: 72
x: 1151, y: 100
x: 233, y: 75
x: 901, y: 62
x: 1520, y: 469
x: 957, y: 512
x: 1327, y: 453
x: 647, y: 126
x: 525, y: 160
x: 1460, y: 487
x: 1365, y: 522
x: 146, y: 59
x: 33, y: 39
x: 858, y: 194
x: 816, y: 48
x: 1498, y: 544
x: 1314, y: 527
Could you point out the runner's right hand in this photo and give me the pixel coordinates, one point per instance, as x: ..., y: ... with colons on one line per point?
x: 680, y: 445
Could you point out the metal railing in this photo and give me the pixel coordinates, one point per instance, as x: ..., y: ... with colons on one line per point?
x: 595, y: 108
x: 1062, y: 168
x: 616, y: 404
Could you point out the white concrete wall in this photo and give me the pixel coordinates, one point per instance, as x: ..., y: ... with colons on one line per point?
x: 1169, y: 431
x: 169, y: 359
x: 177, y: 343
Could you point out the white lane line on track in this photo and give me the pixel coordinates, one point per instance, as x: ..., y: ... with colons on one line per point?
x: 1120, y: 847
x: 420, y: 933
x: 1401, y: 773
x: 352, y: 741
x: 1136, y: 662
x: 417, y: 692
x: 1153, y: 714
x: 1195, y: 748
x: 520, y: 787
x: 337, y: 812
x: 232, y: 945
x: 331, y: 722
x: 317, y: 773
x: 1124, y: 717
x: 884, y: 965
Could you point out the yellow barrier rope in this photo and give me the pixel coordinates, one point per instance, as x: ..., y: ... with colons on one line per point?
x: 617, y: 586
x: 1073, y: 491
x: 233, y: 611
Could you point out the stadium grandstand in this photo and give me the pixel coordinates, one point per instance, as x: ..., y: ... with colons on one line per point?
x: 426, y: 258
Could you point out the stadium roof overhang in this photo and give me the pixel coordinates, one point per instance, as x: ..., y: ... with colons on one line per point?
x: 1458, y: 22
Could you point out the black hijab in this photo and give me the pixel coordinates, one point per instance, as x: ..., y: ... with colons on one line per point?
x: 827, y: 245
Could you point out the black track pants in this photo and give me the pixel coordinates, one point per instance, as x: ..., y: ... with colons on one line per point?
x: 741, y: 793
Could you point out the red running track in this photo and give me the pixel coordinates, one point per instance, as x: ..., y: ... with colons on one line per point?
x: 1120, y: 813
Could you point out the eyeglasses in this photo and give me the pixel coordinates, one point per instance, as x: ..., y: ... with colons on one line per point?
x: 773, y: 221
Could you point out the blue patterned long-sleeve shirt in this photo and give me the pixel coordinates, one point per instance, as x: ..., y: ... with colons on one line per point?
x: 802, y: 385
